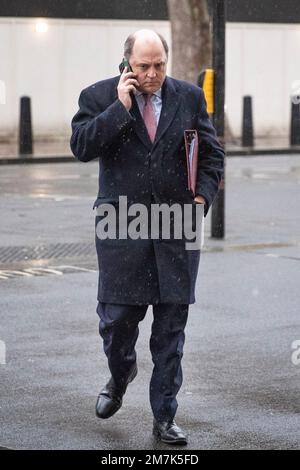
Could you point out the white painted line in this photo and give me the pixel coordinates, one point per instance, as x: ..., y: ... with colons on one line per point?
x: 42, y: 271
x: 18, y: 273
x: 7, y: 274
x: 77, y: 268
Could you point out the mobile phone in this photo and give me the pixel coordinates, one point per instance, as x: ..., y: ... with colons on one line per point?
x: 124, y: 64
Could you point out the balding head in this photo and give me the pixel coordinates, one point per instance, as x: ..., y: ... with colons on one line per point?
x: 146, y: 37
x: 147, y: 53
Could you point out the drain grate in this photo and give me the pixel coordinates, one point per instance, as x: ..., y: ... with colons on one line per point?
x: 11, y: 254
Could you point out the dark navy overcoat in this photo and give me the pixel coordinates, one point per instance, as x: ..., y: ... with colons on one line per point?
x: 146, y: 271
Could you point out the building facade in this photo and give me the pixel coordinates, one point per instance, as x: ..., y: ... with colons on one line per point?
x: 50, y: 50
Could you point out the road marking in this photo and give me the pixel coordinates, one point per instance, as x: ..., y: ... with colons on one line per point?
x: 77, y: 268
x: 40, y: 271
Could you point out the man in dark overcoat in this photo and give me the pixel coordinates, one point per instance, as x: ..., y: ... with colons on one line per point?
x: 134, y: 125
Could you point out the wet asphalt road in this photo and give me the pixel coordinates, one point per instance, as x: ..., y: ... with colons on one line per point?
x: 240, y: 389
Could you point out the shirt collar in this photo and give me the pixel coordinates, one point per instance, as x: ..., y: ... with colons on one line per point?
x: 157, y: 93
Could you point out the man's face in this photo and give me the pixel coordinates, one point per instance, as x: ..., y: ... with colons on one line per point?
x: 149, y: 62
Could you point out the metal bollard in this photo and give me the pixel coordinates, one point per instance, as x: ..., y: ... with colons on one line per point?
x: 295, y: 122
x: 25, y: 127
x: 247, y: 131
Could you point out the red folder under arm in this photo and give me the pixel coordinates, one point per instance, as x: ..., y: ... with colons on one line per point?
x: 191, y: 152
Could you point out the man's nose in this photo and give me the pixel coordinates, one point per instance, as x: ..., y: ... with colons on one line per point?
x: 152, y: 72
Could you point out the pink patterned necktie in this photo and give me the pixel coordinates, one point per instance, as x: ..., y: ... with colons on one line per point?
x: 149, y: 117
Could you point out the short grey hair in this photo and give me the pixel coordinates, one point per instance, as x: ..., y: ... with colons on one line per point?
x: 129, y: 43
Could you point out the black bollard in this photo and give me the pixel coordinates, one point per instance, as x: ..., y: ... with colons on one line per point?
x: 25, y: 128
x: 295, y: 122
x: 247, y: 132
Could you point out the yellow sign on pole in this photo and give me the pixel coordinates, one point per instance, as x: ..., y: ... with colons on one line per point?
x: 208, y: 88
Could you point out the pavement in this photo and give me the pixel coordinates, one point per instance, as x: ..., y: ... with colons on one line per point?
x: 241, y: 387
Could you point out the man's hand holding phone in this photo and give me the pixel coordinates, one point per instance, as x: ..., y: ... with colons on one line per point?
x: 127, y: 84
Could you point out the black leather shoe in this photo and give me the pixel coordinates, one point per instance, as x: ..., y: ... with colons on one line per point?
x: 169, y: 433
x: 110, y: 398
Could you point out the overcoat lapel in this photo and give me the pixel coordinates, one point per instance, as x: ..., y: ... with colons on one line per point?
x: 170, y: 104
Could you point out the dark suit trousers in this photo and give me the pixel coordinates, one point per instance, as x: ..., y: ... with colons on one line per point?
x: 119, y: 329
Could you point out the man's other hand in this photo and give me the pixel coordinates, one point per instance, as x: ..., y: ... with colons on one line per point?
x: 200, y: 200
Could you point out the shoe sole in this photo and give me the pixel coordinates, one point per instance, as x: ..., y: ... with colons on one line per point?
x: 178, y: 442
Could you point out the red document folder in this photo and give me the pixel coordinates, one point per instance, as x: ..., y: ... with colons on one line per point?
x: 191, y: 141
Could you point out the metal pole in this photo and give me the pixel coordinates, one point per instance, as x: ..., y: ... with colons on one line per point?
x: 219, y: 25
